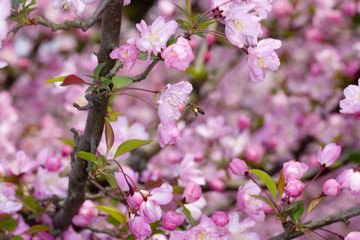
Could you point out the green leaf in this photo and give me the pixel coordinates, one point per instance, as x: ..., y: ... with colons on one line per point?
x: 109, y: 135
x: 130, y: 145
x: 69, y: 142
x: 110, y: 178
x: 38, y: 228
x: 115, y: 213
x: 113, y: 221
x: 184, y: 24
x: 314, y: 203
x: 17, y: 237
x: 297, y: 213
x: 186, y: 212
x: 265, y: 199
x: 269, y: 182
x: 177, y: 189
x: 188, y: 6
x: 281, y: 183
x: 89, y: 89
x: 86, y: 156
x: 101, y: 160
x: 187, y: 14
x: 121, y: 81
x: 172, y: 40
x: 98, y: 69
x: 354, y: 157
x: 200, y: 34
x: 15, y: 4
x: 9, y: 224
x: 205, y: 24
x: 144, y: 55
x: 155, y: 224
x: 29, y: 202
x: 59, y: 79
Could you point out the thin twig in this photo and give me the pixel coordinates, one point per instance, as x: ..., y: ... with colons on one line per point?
x: 77, y: 23
x: 105, y: 191
x: 143, y: 75
x: 106, y: 231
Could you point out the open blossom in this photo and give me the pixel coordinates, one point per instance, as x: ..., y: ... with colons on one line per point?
x: 262, y: 7
x: 351, y: 103
x: 8, y: 203
x: 86, y: 214
x: 127, y: 54
x: 178, y: 55
x: 171, y: 220
x: 50, y: 183
x: 329, y: 154
x: 168, y: 133
x: 154, y: 37
x: 132, y: 178
x: 352, y: 236
x: 241, y: 27
x: 140, y: 227
x: 263, y: 56
x: 5, y: 6
x: 349, y: 181
x: 249, y: 204
x: 206, y: 229
x: 171, y: 99
x: 150, y: 208
x: 78, y: 6
x: 294, y: 170
x: 239, y: 230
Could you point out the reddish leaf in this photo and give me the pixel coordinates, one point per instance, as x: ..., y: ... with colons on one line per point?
x: 109, y: 135
x: 72, y: 79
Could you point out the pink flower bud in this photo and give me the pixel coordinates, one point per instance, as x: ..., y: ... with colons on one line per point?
x: 217, y: 185
x: 210, y: 39
x: 135, y: 201
x: 66, y: 150
x: 352, y: 236
x: 166, y: 8
x: 171, y: 220
x: 254, y: 153
x: 207, y: 56
x: 294, y: 188
x: 168, y: 133
x: 53, y: 163
x: 349, y: 8
x: 220, y: 218
x: 192, y: 192
x: 243, y: 122
x: 238, y: 166
x: 294, y: 170
x: 331, y: 188
x: 329, y: 154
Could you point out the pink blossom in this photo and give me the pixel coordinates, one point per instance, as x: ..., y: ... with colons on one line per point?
x: 225, y: 6
x: 349, y: 181
x: 171, y: 220
x: 150, y: 208
x: 154, y: 37
x: 178, y: 55
x: 294, y: 188
x: 126, y: 2
x: 243, y: 122
x: 135, y: 201
x: 53, y: 163
x: 206, y: 229
x: 351, y: 103
x: 239, y: 230
x: 86, y: 214
x: 8, y: 202
x: 352, y: 236
x: 78, y: 6
x: 220, y: 218
x: 263, y: 56
x: 20, y: 165
x: 131, y: 178
x: 294, y: 170
x: 329, y: 154
x: 254, y: 152
x: 331, y: 187
x: 171, y: 99
x: 241, y: 27
x: 188, y: 171
x: 168, y: 133
x: 192, y: 192
x: 249, y: 204
x: 166, y: 7
x: 262, y: 7
x: 140, y: 227
x: 21, y: 228
x: 5, y: 6
x: 238, y: 166
x: 127, y: 54
x: 50, y: 183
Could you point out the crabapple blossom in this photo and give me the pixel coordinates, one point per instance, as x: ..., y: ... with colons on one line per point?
x: 188, y: 172
x: 127, y: 54
x: 5, y: 6
x: 20, y: 165
x: 238, y: 166
x: 178, y: 55
x: 86, y: 214
x: 249, y: 204
x: 131, y: 178
x: 294, y: 188
x: 135, y: 201
x: 78, y: 6
x: 349, y: 181
x: 224, y: 6
x: 53, y: 163
x: 140, y: 227
x: 50, y: 183
x: 8, y: 202
x: 238, y: 230
x: 352, y: 236
x: 171, y: 99
x: 241, y: 27
x: 294, y: 170
x: 154, y: 37
x: 351, y: 103
x: 172, y: 220
x: 329, y: 154
x: 262, y: 7
x: 263, y: 56
x: 192, y: 192
x: 331, y: 187
x: 168, y: 133
x: 166, y: 7
x: 220, y: 218
x: 150, y: 208
x: 243, y: 121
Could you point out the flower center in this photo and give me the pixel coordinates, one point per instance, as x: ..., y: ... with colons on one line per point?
x: 66, y: 6
x: 239, y: 24
x: 260, y: 61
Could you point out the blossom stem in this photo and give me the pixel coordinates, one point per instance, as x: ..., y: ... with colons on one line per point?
x: 334, y: 233
x: 322, y: 168
x: 133, y: 88
x: 135, y: 97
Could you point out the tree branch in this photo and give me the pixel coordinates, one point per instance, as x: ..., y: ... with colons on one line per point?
x: 77, y: 23
x: 320, y: 222
x: 143, y: 75
x: 110, y: 34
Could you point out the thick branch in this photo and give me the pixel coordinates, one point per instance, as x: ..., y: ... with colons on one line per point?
x: 77, y: 23
x: 110, y: 33
x: 317, y: 223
